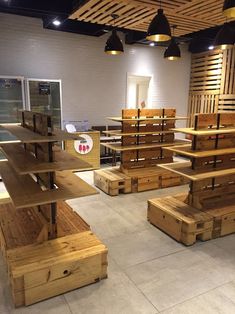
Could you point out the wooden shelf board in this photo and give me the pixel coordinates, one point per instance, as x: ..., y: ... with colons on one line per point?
x: 26, y: 136
x: 6, y: 137
x: 186, y: 150
x: 120, y: 133
x: 120, y: 119
x: 208, y: 132
x: 184, y: 169
x: 120, y: 148
x: 24, y: 162
x: 25, y: 192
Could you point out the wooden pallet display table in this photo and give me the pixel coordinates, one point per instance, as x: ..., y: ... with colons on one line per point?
x: 48, y: 248
x: 144, y: 133
x: 211, y: 171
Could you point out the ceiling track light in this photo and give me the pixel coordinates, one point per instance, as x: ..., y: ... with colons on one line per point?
x: 229, y: 8
x: 114, y: 44
x: 225, y: 38
x: 172, y: 52
x: 159, y: 29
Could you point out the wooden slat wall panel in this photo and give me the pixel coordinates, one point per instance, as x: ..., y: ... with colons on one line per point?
x: 189, y: 16
x: 212, y: 85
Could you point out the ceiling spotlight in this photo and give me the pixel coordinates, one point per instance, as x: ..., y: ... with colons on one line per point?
x: 229, y: 8
x: 152, y: 44
x: 211, y: 47
x: 225, y: 38
x: 56, y: 22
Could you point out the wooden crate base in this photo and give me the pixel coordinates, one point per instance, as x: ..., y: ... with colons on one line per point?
x: 112, y: 181
x: 146, y: 179
x: 181, y: 221
x: 186, y: 223
x: 40, y: 270
x: 223, y: 217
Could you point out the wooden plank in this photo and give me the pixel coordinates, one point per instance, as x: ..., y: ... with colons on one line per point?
x: 23, y: 227
x: 26, y: 136
x: 119, y: 147
x: 208, y: 132
x: 120, y: 133
x: 119, y: 119
x: 190, y: 16
x: 24, y: 162
x: 185, y: 170
x: 186, y: 150
x: 25, y: 192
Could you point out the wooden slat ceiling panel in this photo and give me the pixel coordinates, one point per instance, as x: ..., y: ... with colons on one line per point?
x: 189, y: 16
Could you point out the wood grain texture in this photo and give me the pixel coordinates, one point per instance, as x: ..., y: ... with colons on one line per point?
x: 24, y: 162
x: 25, y: 192
x: 189, y: 16
x: 26, y: 136
x: 93, y: 157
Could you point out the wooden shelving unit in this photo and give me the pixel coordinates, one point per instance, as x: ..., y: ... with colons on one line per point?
x: 211, y: 172
x: 144, y: 133
x: 39, y: 233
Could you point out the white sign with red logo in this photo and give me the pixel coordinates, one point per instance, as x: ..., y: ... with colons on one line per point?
x: 85, y: 145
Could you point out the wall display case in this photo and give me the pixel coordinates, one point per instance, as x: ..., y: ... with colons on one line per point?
x: 44, y: 96
x: 12, y: 99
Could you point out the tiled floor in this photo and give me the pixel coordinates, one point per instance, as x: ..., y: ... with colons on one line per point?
x: 148, y: 271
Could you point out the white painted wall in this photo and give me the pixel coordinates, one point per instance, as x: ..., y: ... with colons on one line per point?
x: 94, y: 84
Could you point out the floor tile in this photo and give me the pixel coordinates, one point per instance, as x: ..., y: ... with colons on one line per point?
x: 139, y: 247
x: 173, y: 279
x: 115, y: 295
x: 216, y: 301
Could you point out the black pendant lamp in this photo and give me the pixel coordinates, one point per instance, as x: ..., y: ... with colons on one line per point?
x: 229, y: 8
x: 172, y: 52
x: 159, y: 29
x: 225, y: 38
x: 114, y: 44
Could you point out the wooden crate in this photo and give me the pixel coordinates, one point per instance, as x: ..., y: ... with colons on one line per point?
x: 181, y: 221
x: 223, y: 214
x: 38, y: 272
x: 145, y: 179
x: 41, y: 269
x: 112, y: 181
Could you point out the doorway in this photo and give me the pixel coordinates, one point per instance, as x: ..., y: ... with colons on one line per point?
x: 138, y: 91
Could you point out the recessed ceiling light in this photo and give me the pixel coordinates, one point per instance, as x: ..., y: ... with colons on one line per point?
x: 152, y: 44
x: 211, y: 47
x: 56, y: 22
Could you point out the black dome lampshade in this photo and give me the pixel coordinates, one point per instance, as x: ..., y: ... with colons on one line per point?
x: 225, y: 38
x: 159, y: 29
x: 114, y: 45
x: 172, y: 52
x: 229, y: 8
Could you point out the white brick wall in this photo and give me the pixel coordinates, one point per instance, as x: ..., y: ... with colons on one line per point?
x: 93, y: 84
